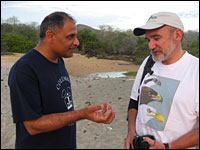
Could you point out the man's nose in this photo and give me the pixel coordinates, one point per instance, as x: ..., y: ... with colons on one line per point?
x: 152, y: 45
x: 76, y: 42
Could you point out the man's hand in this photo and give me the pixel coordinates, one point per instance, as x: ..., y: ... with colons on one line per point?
x: 128, y: 143
x: 154, y: 144
x: 97, y: 113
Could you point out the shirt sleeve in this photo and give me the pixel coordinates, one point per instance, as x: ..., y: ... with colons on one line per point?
x: 24, y: 93
x: 136, y: 84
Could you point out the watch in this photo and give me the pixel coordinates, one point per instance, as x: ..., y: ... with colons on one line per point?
x: 166, y: 145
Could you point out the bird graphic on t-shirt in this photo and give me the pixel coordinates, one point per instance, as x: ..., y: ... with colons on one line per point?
x: 156, y: 116
x: 148, y: 95
x: 157, y: 98
x: 155, y: 80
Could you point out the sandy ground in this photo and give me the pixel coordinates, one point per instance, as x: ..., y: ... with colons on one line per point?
x: 79, y: 65
x: 86, y: 91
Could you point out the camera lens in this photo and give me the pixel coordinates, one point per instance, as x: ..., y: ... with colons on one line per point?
x: 144, y: 145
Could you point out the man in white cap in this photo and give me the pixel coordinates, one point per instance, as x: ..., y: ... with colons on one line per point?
x: 166, y: 102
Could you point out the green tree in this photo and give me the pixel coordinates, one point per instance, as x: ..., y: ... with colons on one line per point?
x: 89, y: 43
x: 118, y: 42
x: 6, y: 28
x: 13, y: 21
x: 16, y: 43
x: 194, y: 48
x: 188, y: 38
x: 141, y: 51
x: 31, y: 32
x: 13, y: 25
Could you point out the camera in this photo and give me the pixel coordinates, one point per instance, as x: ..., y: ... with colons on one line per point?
x: 140, y: 143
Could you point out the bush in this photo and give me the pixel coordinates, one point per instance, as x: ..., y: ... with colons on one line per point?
x: 194, y: 48
x: 89, y: 43
x: 16, y: 43
x: 141, y: 51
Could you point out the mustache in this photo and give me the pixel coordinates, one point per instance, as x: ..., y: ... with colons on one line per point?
x: 154, y: 51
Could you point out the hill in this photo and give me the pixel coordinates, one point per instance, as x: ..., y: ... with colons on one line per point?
x: 82, y: 26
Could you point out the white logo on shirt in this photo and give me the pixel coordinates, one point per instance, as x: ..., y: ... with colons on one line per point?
x: 65, y: 92
x: 67, y: 100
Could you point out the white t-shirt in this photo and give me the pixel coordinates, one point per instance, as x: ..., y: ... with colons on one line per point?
x: 169, y: 100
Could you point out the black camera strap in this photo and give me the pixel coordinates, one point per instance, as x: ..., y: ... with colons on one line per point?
x: 147, y: 69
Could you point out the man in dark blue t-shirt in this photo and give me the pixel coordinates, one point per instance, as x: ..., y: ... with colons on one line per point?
x: 40, y: 90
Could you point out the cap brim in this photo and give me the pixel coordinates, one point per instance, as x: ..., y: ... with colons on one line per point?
x: 150, y: 26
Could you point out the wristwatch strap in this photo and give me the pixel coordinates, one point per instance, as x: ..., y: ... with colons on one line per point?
x: 166, y: 145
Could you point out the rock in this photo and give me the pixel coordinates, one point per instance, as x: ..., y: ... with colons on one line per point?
x: 88, y: 103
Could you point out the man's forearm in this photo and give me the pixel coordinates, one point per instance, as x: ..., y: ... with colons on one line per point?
x: 53, y: 121
x: 97, y: 113
x: 132, y: 114
x: 190, y: 139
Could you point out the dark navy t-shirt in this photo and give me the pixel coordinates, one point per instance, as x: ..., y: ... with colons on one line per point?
x: 39, y: 87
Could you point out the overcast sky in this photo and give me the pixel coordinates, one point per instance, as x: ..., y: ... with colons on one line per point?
x: 119, y: 14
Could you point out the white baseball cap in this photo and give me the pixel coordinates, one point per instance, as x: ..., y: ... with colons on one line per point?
x: 158, y: 20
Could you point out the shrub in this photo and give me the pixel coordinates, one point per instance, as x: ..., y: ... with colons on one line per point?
x: 16, y: 43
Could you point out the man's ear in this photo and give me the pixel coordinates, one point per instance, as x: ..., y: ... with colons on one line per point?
x: 49, y: 36
x: 178, y: 34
